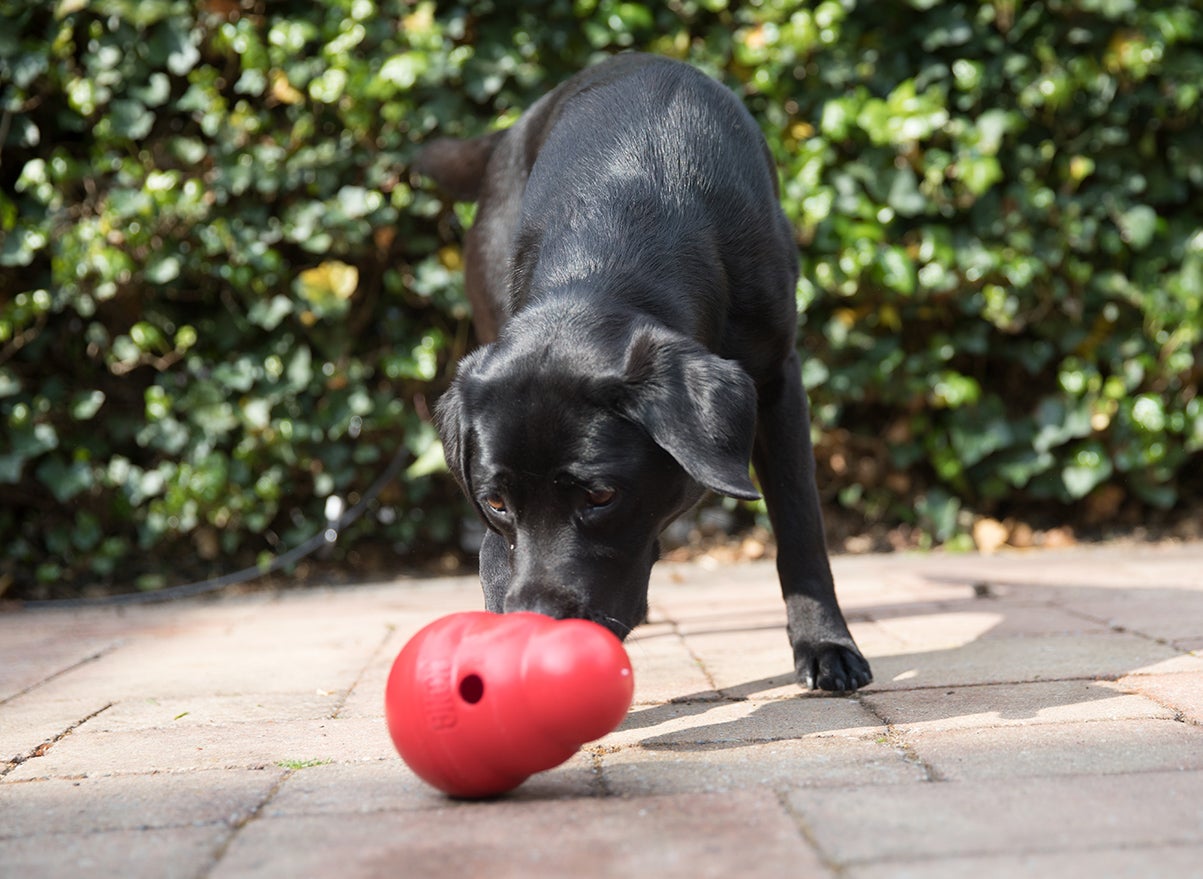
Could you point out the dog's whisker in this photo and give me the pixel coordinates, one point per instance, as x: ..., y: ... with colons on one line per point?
x: 613, y: 623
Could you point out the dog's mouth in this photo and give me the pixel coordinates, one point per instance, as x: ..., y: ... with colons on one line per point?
x: 618, y: 627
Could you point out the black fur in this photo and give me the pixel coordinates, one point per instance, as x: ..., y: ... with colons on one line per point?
x: 634, y: 277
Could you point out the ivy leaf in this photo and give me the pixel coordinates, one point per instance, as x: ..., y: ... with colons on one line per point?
x: 9, y: 384
x: 1058, y: 423
x: 163, y: 269
x: 1088, y: 468
x: 1138, y: 225
x: 978, y: 172
x: 65, y: 481
x: 328, y: 288
x: 904, y: 196
x: 130, y: 119
x: 86, y: 404
x: 267, y: 313
x: 172, y: 46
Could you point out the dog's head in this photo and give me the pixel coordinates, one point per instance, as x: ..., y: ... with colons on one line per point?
x: 579, y: 442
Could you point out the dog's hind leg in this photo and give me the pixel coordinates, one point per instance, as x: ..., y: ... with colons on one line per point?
x: 825, y: 656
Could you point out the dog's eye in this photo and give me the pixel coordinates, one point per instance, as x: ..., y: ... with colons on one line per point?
x: 496, y: 503
x: 601, y: 497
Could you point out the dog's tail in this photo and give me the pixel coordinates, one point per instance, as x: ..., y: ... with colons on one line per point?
x: 458, y: 166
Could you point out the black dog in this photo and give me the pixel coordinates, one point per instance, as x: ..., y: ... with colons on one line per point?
x: 632, y: 269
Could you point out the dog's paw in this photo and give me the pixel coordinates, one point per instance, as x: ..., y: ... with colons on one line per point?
x: 830, y: 666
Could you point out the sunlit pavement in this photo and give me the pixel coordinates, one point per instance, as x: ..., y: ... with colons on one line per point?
x: 1033, y: 714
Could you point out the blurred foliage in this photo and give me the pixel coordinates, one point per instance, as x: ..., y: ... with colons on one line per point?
x: 223, y: 299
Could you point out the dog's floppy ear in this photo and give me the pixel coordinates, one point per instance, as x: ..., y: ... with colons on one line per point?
x: 452, y: 421
x: 449, y: 419
x: 698, y: 407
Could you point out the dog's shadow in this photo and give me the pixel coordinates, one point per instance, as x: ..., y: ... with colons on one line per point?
x: 946, y: 681
x: 701, y: 702
x: 773, y: 719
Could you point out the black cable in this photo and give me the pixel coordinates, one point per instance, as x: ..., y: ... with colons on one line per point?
x: 328, y: 536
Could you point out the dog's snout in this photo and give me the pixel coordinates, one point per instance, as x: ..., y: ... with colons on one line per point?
x: 555, y: 602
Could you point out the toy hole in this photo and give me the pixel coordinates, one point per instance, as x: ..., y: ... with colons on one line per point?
x: 471, y: 689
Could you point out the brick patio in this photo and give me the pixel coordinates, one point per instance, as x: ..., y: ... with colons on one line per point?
x: 1033, y: 714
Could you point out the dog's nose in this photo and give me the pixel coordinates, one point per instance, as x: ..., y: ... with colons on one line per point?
x: 557, y: 603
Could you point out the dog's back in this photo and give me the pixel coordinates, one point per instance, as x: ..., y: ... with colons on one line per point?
x: 641, y: 171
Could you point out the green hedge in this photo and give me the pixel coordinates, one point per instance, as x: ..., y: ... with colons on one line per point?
x: 225, y: 301
x: 1001, y: 211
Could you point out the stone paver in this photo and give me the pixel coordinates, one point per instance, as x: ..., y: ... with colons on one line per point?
x: 1006, y: 816
x: 169, y: 853
x: 1114, y: 863
x: 781, y: 765
x: 1026, y: 705
x: 1182, y: 694
x: 86, y: 753
x: 1046, y: 750
x: 60, y: 806
x: 685, y: 836
x: 1032, y: 714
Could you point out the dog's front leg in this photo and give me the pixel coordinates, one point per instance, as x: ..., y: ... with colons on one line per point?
x: 494, y: 570
x: 825, y: 656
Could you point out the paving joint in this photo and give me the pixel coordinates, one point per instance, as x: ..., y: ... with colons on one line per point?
x: 58, y: 673
x: 896, y: 739
x: 834, y: 867
x: 241, y: 820
x: 44, y: 747
x: 367, y: 666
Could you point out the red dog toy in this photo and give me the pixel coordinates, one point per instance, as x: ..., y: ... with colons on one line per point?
x: 478, y: 702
